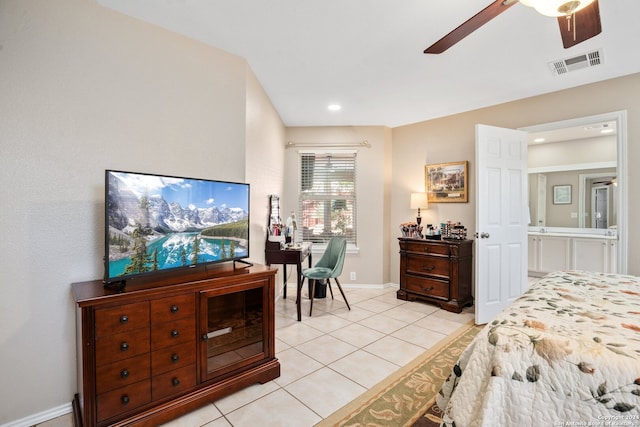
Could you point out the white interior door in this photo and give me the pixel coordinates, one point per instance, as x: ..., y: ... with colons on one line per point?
x: 501, y: 219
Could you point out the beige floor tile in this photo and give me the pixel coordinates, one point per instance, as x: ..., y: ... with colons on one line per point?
x: 440, y: 323
x: 364, y: 368
x: 275, y: 409
x: 401, y: 313
x: 326, y: 349
x: 198, y: 417
x: 246, y: 395
x: 357, y: 334
x: 375, y: 306
x: 419, y: 336
x: 294, y: 365
x: 423, y: 307
x: 220, y: 422
x: 325, y: 391
x: 394, y: 350
x: 354, y: 315
x: 327, y: 322
x: 383, y: 323
x: 297, y: 333
x: 61, y: 421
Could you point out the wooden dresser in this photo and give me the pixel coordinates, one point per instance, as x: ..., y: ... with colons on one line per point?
x: 164, y: 347
x: 437, y: 271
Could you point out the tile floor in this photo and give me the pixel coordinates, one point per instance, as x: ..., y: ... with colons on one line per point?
x: 328, y: 359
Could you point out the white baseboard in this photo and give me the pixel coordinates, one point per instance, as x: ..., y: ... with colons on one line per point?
x: 41, y: 417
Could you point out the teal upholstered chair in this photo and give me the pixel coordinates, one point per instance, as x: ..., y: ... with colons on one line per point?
x: 329, y: 267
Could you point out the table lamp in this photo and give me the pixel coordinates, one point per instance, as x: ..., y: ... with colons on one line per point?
x: 419, y: 200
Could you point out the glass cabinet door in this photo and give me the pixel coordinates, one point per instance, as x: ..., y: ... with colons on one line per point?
x: 234, y: 328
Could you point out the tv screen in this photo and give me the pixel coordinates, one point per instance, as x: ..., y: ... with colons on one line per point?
x: 156, y: 222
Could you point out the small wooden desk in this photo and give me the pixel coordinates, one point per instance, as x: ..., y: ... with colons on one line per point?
x: 273, y: 254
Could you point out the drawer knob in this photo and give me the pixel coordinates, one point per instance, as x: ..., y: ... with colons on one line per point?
x: 175, y: 357
x: 175, y: 382
x: 174, y: 333
x: 124, y: 319
x: 427, y: 289
x: 428, y: 268
x: 124, y: 373
x: 174, y: 308
x: 124, y: 399
x: 124, y: 346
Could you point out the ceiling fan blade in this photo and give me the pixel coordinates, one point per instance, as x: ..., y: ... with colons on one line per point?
x: 580, y: 26
x: 470, y: 25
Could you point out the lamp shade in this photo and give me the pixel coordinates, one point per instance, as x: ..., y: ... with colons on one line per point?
x: 557, y: 7
x: 419, y: 201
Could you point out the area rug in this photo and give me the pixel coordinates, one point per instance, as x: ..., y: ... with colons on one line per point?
x: 408, y: 395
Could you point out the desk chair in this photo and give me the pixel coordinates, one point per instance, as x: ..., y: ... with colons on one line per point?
x: 329, y: 267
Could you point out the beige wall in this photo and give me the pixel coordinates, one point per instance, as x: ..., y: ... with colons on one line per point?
x: 85, y: 89
x: 452, y: 139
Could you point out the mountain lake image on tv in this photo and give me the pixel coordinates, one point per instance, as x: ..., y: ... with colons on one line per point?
x: 156, y: 222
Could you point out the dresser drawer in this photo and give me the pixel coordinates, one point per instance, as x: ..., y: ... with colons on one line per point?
x: 427, y: 248
x: 122, y: 346
x: 123, y: 399
x: 427, y: 265
x: 172, y: 333
x: 427, y: 287
x: 126, y: 317
x: 122, y: 373
x: 173, y: 357
x: 175, y: 307
x: 173, y: 382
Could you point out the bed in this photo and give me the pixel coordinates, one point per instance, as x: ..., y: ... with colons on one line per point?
x: 566, y: 353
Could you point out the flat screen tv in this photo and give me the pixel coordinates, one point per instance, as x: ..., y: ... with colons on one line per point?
x: 155, y: 223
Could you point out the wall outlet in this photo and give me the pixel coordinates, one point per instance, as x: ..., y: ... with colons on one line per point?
x: 352, y: 276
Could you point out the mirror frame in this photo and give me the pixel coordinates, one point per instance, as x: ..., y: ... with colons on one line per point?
x: 620, y: 117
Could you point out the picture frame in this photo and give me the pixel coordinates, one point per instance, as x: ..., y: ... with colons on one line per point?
x: 562, y: 194
x: 447, y: 182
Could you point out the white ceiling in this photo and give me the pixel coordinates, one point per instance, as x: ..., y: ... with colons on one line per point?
x: 367, y: 54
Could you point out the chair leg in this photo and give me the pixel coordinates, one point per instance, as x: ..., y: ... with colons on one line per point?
x: 313, y: 291
x: 342, y: 292
x: 330, y: 290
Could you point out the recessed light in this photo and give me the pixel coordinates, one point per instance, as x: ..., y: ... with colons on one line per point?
x: 335, y: 107
x: 539, y: 140
x: 606, y: 131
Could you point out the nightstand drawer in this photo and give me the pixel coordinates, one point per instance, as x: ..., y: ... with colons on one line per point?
x: 122, y: 373
x: 425, y: 247
x: 114, y: 320
x: 123, y: 399
x: 175, y: 307
x: 427, y: 265
x: 427, y: 287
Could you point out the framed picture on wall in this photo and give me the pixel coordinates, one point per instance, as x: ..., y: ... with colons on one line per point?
x: 562, y: 194
x: 447, y: 182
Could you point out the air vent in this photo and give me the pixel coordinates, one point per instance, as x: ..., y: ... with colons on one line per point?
x: 585, y: 60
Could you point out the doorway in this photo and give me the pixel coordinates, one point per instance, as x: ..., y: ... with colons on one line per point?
x: 621, y: 214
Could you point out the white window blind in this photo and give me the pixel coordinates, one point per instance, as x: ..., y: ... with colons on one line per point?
x: 328, y: 196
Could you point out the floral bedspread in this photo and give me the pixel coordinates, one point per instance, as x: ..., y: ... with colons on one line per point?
x: 566, y: 353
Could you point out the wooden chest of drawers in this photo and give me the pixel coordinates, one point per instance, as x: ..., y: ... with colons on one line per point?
x: 437, y: 271
x: 144, y: 353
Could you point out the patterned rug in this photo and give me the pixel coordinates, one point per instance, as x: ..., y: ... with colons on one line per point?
x: 407, y: 397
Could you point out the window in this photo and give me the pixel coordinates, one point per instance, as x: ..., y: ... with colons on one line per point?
x: 328, y: 196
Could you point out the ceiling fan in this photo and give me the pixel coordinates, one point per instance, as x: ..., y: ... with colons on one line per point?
x: 579, y: 20
x: 612, y: 181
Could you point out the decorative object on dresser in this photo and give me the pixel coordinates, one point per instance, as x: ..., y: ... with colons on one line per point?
x: 419, y: 200
x: 171, y: 344
x: 447, y: 182
x: 437, y: 271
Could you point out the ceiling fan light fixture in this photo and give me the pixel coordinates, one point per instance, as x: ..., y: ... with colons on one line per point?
x: 557, y: 7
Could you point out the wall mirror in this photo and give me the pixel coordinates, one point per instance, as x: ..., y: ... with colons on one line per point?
x: 588, y: 154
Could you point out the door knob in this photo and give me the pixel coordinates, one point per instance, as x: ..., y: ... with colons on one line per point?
x: 482, y: 235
